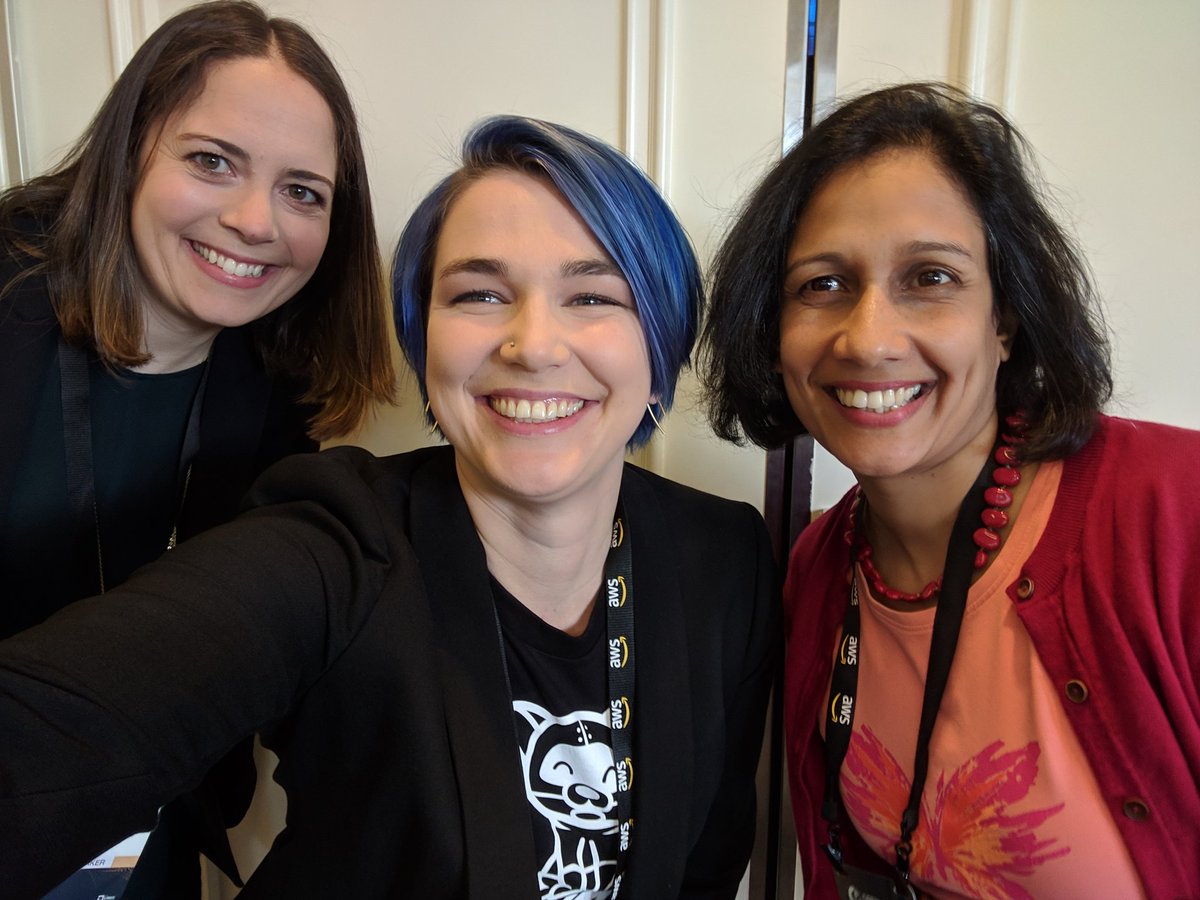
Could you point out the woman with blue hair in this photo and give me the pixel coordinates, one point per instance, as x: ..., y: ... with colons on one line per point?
x: 441, y: 645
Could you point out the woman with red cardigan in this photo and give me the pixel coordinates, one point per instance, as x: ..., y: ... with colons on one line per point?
x: 993, y: 649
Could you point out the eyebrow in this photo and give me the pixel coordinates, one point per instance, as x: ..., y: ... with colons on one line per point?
x: 815, y: 258
x: 230, y: 149
x: 911, y: 248
x: 579, y: 267
x: 939, y: 247
x: 485, y: 266
x: 475, y: 265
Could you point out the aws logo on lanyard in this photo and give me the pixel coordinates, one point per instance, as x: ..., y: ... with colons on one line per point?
x: 617, y: 592
x: 841, y: 709
x: 625, y: 774
x: 619, y: 713
x: 618, y: 533
x: 848, y: 654
x: 618, y: 652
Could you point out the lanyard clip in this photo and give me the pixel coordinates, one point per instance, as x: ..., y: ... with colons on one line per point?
x: 834, y: 848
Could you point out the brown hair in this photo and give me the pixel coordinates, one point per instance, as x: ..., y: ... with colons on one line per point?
x: 334, y: 332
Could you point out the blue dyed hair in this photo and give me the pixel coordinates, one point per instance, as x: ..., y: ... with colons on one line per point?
x: 620, y: 205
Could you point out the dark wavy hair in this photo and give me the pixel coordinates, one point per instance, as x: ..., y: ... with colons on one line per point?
x: 1058, y: 374
x: 620, y: 206
x: 333, y: 333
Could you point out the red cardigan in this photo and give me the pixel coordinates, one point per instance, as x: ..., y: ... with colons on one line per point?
x: 1107, y: 604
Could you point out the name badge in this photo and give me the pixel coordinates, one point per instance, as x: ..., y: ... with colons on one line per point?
x: 854, y: 883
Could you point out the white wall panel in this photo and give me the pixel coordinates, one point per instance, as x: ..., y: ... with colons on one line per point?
x: 1106, y: 92
x: 63, y: 69
x: 727, y: 119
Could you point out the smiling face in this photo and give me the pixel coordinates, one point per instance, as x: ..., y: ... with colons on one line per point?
x: 888, y: 338
x: 537, y: 368
x: 231, y: 212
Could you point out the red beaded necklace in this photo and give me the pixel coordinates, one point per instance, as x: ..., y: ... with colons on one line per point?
x: 1005, y: 477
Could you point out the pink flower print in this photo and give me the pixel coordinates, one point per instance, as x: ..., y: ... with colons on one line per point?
x: 969, y: 842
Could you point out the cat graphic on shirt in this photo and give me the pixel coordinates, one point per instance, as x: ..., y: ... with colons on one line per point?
x: 571, y: 781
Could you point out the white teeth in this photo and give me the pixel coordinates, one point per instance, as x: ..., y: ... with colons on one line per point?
x: 878, y: 401
x: 534, y: 411
x: 227, y: 265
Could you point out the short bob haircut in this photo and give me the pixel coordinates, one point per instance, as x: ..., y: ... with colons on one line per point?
x: 333, y: 332
x: 1058, y: 374
x: 622, y: 208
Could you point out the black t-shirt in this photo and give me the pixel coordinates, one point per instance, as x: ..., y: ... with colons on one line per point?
x: 138, y: 425
x: 560, y: 707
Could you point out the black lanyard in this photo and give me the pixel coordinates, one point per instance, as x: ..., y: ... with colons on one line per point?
x: 618, y: 593
x: 947, y: 621
x: 618, y: 618
x: 76, y: 395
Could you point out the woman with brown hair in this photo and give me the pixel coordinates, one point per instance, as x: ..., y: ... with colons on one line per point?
x: 212, y: 227
x: 193, y: 293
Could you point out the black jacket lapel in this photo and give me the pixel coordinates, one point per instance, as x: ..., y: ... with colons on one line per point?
x: 479, y: 718
x: 662, y: 722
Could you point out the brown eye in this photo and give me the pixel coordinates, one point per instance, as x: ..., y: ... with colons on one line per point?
x: 211, y: 162
x: 822, y: 284
x: 934, y: 278
x: 306, y: 196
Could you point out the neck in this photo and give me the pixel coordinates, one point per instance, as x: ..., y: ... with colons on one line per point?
x: 551, y: 555
x: 174, y: 346
x: 910, y: 517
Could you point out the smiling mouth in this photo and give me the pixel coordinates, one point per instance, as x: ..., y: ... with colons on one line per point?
x: 534, y: 411
x: 227, y: 265
x: 878, y: 401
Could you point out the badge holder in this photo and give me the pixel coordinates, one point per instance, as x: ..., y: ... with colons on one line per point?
x: 854, y: 883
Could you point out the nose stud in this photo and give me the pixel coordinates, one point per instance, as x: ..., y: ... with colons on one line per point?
x: 512, y: 345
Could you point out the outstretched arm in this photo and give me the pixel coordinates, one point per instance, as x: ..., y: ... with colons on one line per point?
x: 121, y: 702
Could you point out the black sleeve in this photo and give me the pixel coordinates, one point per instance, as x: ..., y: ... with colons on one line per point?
x: 117, y: 704
x: 718, y: 860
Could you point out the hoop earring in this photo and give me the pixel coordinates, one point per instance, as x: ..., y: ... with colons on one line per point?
x: 434, y: 427
x: 654, y: 419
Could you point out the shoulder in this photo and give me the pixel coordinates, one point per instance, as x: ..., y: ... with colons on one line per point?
x: 345, y: 478
x: 696, y: 516
x: 24, y: 295
x: 1136, y: 456
x: 816, y: 545
x: 1119, y: 436
x: 816, y: 570
x: 1133, y: 485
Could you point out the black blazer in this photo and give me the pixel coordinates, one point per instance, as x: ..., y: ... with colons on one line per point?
x: 249, y: 418
x: 349, y: 617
